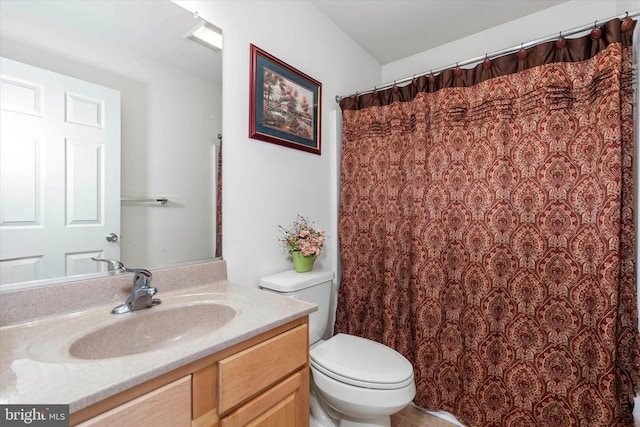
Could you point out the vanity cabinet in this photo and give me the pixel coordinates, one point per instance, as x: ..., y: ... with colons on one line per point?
x: 263, y: 381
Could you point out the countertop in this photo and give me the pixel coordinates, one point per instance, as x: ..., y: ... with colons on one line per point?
x: 36, y: 368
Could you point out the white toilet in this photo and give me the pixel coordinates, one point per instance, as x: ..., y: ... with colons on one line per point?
x: 356, y: 382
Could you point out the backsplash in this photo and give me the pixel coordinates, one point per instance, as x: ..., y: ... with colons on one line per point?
x: 24, y: 305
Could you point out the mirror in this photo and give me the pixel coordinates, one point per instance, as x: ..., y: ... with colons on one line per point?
x: 171, y: 107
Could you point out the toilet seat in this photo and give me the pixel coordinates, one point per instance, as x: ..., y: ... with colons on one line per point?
x: 362, y: 363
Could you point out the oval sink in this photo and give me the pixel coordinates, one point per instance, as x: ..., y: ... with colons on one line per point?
x: 151, y: 329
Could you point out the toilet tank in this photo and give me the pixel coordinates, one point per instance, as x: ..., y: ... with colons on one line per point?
x: 314, y: 287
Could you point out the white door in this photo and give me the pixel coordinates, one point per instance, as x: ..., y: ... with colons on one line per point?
x: 59, y: 174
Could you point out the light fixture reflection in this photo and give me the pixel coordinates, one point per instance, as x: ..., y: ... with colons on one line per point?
x: 207, y: 35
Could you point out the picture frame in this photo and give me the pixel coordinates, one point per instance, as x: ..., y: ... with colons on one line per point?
x: 284, y: 104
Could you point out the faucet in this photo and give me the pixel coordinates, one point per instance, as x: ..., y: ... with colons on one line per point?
x: 112, y: 264
x: 141, y: 293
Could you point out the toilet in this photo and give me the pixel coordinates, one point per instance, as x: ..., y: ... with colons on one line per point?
x: 355, y: 382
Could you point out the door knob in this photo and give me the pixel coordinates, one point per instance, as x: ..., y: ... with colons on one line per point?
x: 112, y: 237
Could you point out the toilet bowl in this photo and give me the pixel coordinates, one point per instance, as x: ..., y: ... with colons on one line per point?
x: 362, y: 380
x: 355, y: 382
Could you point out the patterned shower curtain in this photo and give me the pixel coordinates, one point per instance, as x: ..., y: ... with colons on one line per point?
x: 486, y: 233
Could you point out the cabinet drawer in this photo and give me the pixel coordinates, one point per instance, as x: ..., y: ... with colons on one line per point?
x: 168, y: 406
x: 277, y: 407
x: 247, y: 373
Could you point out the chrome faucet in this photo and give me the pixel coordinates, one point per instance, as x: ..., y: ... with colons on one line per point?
x: 112, y: 264
x: 141, y: 293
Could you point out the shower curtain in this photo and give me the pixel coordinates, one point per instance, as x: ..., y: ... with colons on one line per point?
x: 486, y: 233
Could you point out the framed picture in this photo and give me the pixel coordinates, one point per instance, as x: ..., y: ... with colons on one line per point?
x: 284, y: 104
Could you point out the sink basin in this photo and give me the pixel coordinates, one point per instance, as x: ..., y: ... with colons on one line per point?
x: 151, y: 329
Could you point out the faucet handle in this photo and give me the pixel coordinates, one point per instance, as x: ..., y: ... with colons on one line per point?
x: 141, y: 279
x: 112, y: 264
x: 140, y: 271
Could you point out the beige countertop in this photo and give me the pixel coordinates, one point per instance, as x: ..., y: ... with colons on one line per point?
x: 36, y: 367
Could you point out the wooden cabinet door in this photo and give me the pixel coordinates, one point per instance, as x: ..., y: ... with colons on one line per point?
x: 168, y: 406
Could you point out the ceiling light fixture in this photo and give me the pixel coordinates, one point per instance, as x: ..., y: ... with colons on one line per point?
x: 207, y: 35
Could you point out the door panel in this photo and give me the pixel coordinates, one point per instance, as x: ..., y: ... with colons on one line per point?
x: 60, y: 174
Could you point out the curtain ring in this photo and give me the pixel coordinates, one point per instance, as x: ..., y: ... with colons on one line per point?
x: 414, y: 82
x: 432, y: 78
x: 596, y: 33
x: 522, y: 53
x: 627, y: 23
x: 356, y: 98
x: 394, y: 89
x: 375, y: 92
x: 487, y: 62
x: 561, y: 42
x: 457, y: 71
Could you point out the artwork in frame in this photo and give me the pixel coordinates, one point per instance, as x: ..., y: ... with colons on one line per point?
x: 284, y: 104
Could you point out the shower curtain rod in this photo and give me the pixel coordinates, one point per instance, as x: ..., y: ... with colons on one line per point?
x: 493, y: 54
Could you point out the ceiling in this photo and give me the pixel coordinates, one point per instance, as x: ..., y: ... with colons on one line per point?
x: 390, y: 30
x: 151, y: 29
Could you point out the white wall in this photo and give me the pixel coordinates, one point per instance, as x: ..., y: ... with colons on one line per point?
x: 266, y: 185
x: 161, y: 138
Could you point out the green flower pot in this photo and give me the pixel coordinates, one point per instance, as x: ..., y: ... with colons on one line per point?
x: 302, y: 263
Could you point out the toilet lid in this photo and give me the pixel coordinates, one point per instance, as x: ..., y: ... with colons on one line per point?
x: 361, y: 362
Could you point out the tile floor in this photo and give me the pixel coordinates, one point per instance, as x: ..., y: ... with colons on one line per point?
x: 413, y: 417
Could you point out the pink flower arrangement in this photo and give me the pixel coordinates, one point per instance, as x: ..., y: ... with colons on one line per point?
x: 302, y: 237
